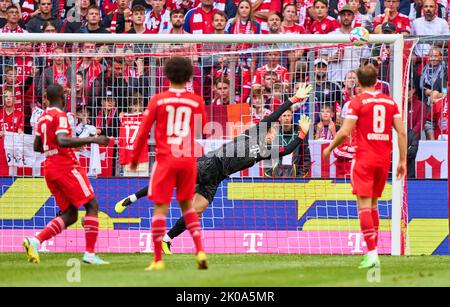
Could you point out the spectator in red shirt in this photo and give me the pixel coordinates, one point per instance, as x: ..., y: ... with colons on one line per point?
x: 200, y: 19
x: 10, y: 81
x: 323, y: 24
x: 401, y: 22
x: 304, y: 10
x: 273, y: 59
x: 436, y: 127
x: 11, y: 120
x: 288, y: 25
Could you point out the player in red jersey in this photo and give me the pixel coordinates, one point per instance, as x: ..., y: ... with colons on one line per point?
x: 373, y: 115
x: 65, y: 178
x: 175, y: 112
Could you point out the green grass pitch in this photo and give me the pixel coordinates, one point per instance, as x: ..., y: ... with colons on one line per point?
x: 235, y: 270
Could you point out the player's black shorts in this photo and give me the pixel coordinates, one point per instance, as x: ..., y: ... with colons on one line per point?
x: 209, y: 177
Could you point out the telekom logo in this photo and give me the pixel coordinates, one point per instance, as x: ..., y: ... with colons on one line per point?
x: 253, y: 240
x: 356, y: 241
x: 145, y: 241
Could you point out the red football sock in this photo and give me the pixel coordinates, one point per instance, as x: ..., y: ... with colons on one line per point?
x: 376, y: 223
x: 158, y: 231
x: 53, y: 228
x: 193, y: 225
x: 367, y: 227
x: 91, y: 232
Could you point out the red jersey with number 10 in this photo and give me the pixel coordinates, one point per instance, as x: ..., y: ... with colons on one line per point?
x: 129, y: 126
x: 58, y: 160
x: 375, y: 113
x: 176, y: 113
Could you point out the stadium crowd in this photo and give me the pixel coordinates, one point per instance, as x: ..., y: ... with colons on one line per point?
x: 106, y: 83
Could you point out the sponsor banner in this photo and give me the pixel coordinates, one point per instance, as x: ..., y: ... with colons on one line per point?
x: 286, y: 215
x: 214, y: 241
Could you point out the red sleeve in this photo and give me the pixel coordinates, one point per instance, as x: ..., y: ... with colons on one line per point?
x: 275, y: 5
x: 396, y: 111
x: 353, y: 108
x: 144, y: 130
x: 62, y: 123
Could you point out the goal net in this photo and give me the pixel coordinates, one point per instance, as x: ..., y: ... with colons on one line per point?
x: 299, y: 203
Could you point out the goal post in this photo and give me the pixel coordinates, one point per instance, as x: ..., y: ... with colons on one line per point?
x: 239, y: 190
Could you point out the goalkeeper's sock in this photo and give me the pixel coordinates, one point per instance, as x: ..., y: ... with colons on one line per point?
x: 53, y: 228
x: 167, y: 238
x: 177, y: 229
x: 193, y: 225
x: 367, y: 228
x: 91, y: 232
x: 158, y: 231
x: 139, y: 194
x: 376, y: 222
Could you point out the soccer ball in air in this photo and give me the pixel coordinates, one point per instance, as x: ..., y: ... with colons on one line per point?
x: 359, y: 36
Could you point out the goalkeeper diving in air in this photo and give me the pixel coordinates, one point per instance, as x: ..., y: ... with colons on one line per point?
x: 244, y: 151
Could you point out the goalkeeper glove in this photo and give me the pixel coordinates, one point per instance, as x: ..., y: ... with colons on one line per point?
x: 304, y: 124
x: 302, y: 92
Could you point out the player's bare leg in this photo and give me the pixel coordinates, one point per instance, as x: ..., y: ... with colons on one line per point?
x: 53, y: 228
x: 158, y: 231
x: 91, y: 227
x: 368, y: 229
x: 192, y: 223
x: 200, y: 204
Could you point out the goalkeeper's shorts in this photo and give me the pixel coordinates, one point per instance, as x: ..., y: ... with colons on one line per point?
x: 209, y: 177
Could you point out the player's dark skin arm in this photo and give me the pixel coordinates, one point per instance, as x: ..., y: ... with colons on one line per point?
x: 37, y: 145
x: 64, y: 140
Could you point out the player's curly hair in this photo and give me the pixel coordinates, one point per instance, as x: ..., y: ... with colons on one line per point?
x: 178, y: 70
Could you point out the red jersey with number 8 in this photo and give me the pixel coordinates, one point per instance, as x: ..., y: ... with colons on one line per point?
x: 59, y: 160
x: 177, y: 113
x: 375, y: 113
